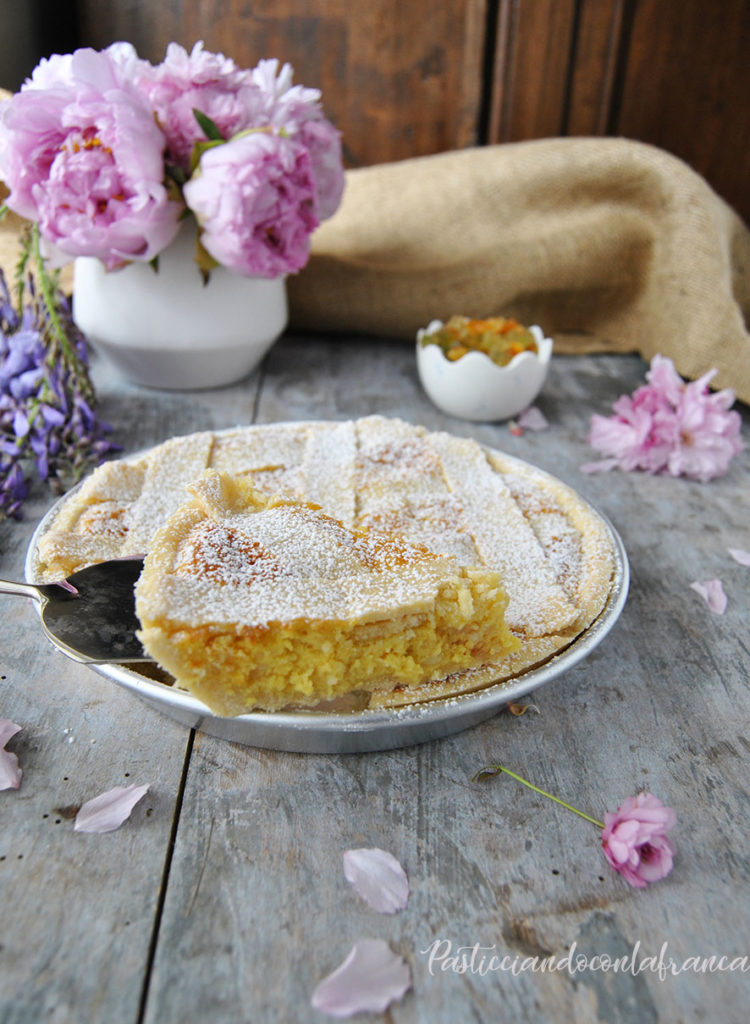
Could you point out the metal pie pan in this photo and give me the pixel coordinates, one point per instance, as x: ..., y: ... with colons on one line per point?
x: 351, y: 732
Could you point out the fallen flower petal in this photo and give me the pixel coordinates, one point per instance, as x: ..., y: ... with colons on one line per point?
x: 743, y: 557
x: 533, y: 419
x: 713, y: 594
x: 10, y: 773
x: 369, y: 980
x: 378, y: 878
x: 106, y: 812
x: 634, y: 839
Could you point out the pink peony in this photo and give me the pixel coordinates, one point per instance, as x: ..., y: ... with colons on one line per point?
x: 82, y: 155
x: 208, y: 82
x: 254, y: 199
x: 295, y: 111
x: 97, y: 147
x: 323, y: 143
x: 668, y: 426
x: 634, y: 839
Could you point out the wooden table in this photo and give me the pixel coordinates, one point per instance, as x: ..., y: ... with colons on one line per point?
x: 223, y: 898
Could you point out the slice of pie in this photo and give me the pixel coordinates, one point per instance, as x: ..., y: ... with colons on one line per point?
x: 253, y: 602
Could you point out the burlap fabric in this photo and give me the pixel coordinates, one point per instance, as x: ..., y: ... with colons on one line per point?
x: 608, y: 244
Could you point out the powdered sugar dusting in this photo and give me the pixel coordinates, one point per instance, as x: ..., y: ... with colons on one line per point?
x: 170, y: 468
x: 328, y: 471
x: 558, y: 537
x: 287, y: 562
x: 504, y: 540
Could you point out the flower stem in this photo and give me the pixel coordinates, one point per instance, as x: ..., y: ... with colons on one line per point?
x: 496, y: 769
x: 48, y: 291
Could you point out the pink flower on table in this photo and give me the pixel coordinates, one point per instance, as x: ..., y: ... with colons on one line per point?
x: 82, y: 155
x: 708, y: 435
x: 295, y: 110
x: 204, y: 81
x: 254, y: 200
x: 666, y: 385
x: 635, y: 840
x: 667, y: 426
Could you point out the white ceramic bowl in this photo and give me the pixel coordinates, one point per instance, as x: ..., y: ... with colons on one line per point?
x: 475, y: 388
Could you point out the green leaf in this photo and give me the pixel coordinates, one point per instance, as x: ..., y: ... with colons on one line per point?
x: 204, y: 259
x: 199, y: 148
x: 210, y: 128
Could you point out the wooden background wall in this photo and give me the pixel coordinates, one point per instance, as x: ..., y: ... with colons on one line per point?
x: 403, y: 78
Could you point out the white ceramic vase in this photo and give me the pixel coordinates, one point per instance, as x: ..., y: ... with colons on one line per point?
x: 165, y: 329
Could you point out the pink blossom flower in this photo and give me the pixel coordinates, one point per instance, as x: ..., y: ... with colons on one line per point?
x: 668, y: 426
x: 708, y: 435
x: 739, y: 555
x: 666, y: 383
x: 295, y: 111
x: 634, y: 839
x: 82, y: 155
x: 204, y: 81
x: 638, y: 436
x: 254, y: 199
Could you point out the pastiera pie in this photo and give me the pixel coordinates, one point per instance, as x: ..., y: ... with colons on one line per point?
x: 253, y: 602
x: 450, y: 495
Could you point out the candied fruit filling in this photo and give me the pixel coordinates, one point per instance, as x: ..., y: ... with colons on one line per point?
x: 499, y: 337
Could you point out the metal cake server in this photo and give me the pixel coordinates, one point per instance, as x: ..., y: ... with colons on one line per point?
x: 91, y: 615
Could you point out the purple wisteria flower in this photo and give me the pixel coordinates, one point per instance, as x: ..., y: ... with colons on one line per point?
x: 83, y: 157
x: 254, y: 199
x: 47, y: 420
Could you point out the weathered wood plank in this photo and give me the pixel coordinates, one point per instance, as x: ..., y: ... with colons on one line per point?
x: 79, y: 910
x: 531, y: 70
x: 686, y: 68
x: 594, y: 66
x: 257, y: 910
